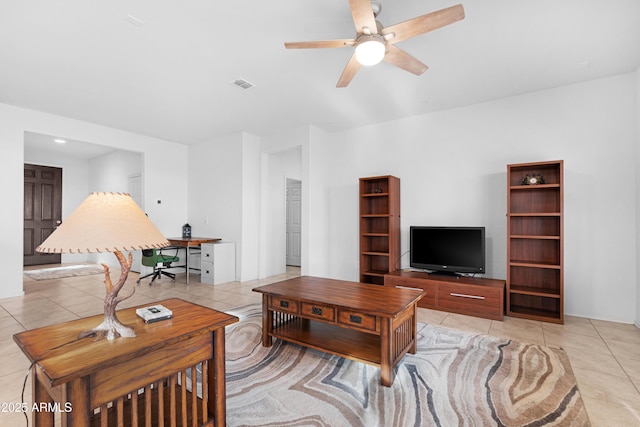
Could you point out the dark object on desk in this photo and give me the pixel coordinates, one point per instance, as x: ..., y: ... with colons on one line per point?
x: 151, y: 258
x: 186, y: 231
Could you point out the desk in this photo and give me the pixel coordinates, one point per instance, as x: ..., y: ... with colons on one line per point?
x: 100, y: 382
x: 188, y: 243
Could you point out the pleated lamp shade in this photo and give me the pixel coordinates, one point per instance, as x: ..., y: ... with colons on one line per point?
x: 104, y: 222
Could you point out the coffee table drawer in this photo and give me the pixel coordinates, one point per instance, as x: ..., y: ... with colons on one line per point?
x: 283, y: 304
x: 353, y: 319
x: 318, y: 311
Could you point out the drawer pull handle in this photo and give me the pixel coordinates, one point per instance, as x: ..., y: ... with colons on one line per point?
x: 206, y: 255
x: 355, y: 319
x: 466, y: 296
x: 316, y: 310
x: 284, y: 304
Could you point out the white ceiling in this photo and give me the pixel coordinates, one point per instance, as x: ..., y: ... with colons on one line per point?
x: 171, y: 77
x: 46, y: 144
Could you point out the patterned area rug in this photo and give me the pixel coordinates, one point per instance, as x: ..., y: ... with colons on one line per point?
x: 455, y: 378
x: 65, y: 271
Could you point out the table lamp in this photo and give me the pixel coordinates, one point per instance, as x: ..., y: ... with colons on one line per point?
x: 107, y: 222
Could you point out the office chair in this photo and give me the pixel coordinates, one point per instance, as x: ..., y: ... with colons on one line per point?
x: 151, y: 258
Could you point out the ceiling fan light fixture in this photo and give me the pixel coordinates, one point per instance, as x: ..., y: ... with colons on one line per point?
x: 373, y: 40
x: 370, y: 49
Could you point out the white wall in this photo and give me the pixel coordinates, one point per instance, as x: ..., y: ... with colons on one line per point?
x: 637, y: 197
x: 165, y: 170
x: 318, y: 157
x: 250, y: 207
x: 215, y: 191
x: 110, y: 173
x: 452, y: 167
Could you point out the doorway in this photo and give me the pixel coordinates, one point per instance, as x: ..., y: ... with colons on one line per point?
x: 86, y: 167
x: 293, y: 222
x: 42, y: 211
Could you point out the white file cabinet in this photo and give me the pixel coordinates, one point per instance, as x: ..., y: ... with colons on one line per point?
x: 217, y: 262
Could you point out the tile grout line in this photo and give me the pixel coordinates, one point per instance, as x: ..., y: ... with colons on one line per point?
x: 615, y: 357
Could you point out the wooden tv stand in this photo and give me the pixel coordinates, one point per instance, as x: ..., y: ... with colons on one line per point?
x: 463, y: 295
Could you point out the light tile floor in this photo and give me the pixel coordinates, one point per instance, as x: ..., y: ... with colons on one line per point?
x: 605, y: 356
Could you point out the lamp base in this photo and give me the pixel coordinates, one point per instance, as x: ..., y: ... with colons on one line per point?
x: 111, y: 327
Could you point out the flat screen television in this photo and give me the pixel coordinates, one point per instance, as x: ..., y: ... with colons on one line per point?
x: 447, y: 250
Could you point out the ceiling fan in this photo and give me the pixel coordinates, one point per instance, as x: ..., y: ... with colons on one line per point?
x: 374, y: 43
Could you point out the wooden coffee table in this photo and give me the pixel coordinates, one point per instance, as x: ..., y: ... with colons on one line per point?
x: 362, y: 322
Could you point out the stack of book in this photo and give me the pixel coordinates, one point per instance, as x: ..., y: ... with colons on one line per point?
x: 154, y: 313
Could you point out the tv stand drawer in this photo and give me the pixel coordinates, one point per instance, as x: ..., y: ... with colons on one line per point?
x: 463, y: 295
x: 429, y: 300
x: 473, y: 300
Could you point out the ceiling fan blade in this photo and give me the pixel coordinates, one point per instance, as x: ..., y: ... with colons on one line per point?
x: 349, y: 72
x: 402, y: 59
x: 363, y: 15
x: 423, y: 24
x: 319, y: 44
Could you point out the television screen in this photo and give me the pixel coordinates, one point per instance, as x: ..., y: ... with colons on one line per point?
x: 447, y: 249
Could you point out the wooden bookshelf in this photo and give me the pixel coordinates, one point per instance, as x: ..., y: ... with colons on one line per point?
x: 535, y: 279
x: 379, y: 227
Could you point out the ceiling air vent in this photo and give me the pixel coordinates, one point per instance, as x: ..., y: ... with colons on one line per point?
x: 242, y: 83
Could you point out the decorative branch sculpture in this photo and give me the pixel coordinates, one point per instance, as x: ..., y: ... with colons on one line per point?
x: 111, y: 327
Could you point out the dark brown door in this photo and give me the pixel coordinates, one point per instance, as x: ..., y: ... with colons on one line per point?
x: 42, y: 210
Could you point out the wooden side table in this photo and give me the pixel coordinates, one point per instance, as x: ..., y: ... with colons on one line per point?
x: 131, y: 381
